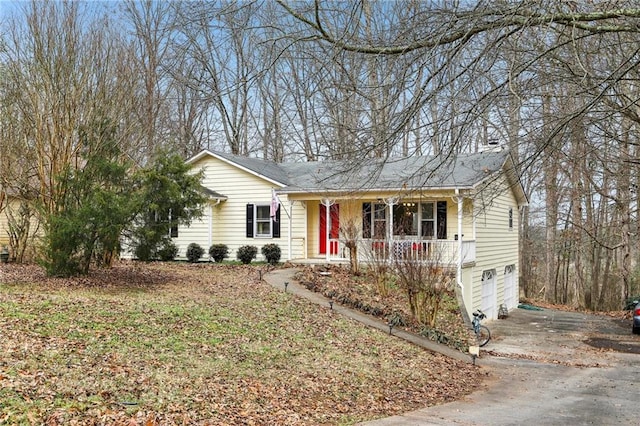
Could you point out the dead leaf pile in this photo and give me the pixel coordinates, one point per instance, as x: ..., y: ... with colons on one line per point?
x: 359, y: 292
x: 175, y: 343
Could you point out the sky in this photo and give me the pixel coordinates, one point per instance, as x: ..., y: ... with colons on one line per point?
x: 8, y: 7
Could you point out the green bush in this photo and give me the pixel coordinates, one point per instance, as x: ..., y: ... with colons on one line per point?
x: 143, y: 252
x: 271, y: 253
x: 194, y: 252
x: 246, y: 254
x: 168, y: 251
x: 218, y: 252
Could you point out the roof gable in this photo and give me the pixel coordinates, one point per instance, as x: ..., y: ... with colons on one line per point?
x: 267, y: 170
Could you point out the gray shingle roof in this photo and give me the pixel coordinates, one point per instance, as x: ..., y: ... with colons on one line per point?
x: 461, y: 171
x: 269, y: 169
x: 212, y: 194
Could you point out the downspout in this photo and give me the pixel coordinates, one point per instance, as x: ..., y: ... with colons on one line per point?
x: 459, y: 199
x: 211, y: 206
x: 210, y: 224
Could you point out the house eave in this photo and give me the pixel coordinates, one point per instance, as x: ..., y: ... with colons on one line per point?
x: 396, y: 190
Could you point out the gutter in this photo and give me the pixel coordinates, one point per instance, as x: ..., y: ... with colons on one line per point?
x: 211, y: 206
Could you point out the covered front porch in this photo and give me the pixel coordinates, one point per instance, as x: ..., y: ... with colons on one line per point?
x: 441, y: 252
x: 437, y: 227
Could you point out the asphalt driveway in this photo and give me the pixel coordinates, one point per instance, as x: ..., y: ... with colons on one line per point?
x: 548, y: 367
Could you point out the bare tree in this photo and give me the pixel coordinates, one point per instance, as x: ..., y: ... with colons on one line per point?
x: 424, y: 283
x: 218, y: 39
x: 152, y: 23
x: 60, y: 74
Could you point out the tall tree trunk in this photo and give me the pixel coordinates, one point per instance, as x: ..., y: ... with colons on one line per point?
x: 624, y: 205
x: 550, y: 171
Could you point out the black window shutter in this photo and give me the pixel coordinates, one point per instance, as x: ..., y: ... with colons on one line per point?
x: 441, y: 212
x: 366, y: 220
x: 276, y: 224
x: 249, y: 220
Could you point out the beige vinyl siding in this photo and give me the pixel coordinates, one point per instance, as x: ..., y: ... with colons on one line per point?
x: 35, y: 229
x: 452, y: 219
x: 496, y: 243
x: 197, y: 232
x: 4, y: 229
x: 468, y: 288
x: 313, y: 223
x: 227, y: 224
x: 298, y: 230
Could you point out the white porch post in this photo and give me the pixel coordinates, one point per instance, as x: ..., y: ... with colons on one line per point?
x: 306, y: 229
x: 327, y: 203
x: 289, y: 257
x: 391, y: 202
x: 459, y: 269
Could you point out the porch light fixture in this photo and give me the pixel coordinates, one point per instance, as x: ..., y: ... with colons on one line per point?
x: 391, y: 201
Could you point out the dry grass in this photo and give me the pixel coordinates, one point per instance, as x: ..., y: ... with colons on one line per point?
x: 199, y: 344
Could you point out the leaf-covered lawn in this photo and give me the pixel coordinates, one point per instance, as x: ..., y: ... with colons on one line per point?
x: 199, y: 344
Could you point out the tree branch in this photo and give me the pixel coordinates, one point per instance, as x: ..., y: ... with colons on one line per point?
x: 489, y: 20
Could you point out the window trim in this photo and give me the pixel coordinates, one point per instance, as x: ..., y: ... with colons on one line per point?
x: 423, y: 221
x: 379, y: 223
x: 257, y: 220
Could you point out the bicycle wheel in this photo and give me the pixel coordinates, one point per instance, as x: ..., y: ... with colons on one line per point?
x: 483, y: 335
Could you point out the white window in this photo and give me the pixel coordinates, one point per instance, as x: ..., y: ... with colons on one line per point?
x: 379, y: 221
x: 260, y: 224
x: 428, y: 220
x: 263, y: 221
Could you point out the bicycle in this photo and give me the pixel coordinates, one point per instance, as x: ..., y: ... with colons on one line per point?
x: 483, y: 335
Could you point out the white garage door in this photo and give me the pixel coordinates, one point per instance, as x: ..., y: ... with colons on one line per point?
x: 488, y: 304
x: 510, y: 298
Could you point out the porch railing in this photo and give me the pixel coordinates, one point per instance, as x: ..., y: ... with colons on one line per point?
x: 441, y: 252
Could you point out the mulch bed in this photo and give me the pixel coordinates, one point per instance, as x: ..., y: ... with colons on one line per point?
x: 359, y: 292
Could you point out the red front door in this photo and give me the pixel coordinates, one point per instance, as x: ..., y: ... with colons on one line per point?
x: 334, y: 228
